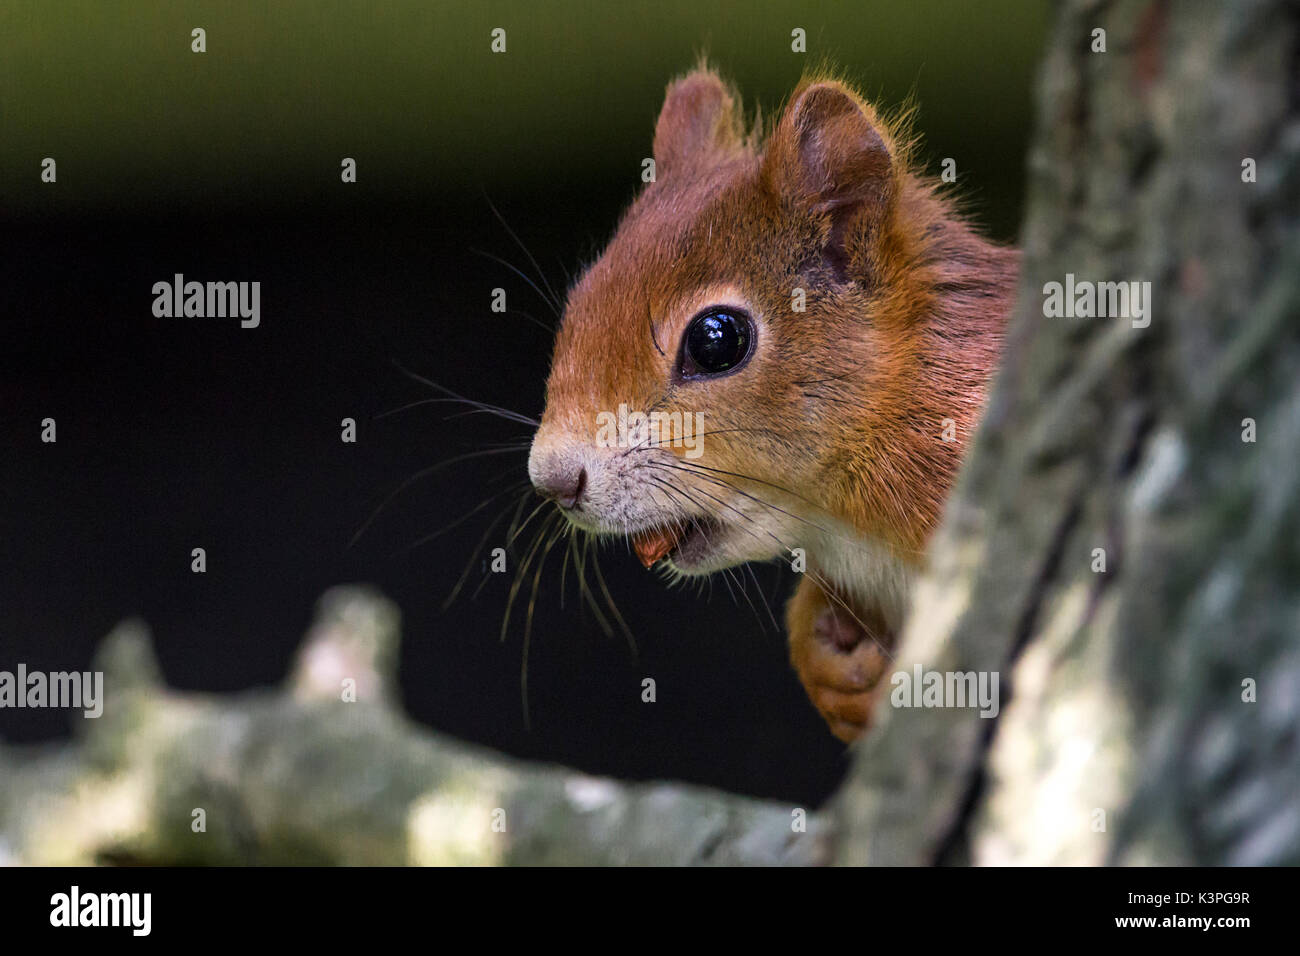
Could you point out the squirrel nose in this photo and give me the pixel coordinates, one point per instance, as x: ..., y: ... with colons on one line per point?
x: 564, y: 488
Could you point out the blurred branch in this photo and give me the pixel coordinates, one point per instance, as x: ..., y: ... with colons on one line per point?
x: 300, y: 776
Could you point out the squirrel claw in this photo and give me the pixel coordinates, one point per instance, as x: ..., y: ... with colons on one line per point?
x: 841, y: 668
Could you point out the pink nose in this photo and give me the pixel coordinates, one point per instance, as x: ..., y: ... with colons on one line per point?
x: 565, y: 488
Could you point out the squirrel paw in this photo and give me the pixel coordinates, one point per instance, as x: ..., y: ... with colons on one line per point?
x: 841, y: 667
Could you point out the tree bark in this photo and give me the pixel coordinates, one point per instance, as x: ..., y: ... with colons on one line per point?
x: 1127, y: 732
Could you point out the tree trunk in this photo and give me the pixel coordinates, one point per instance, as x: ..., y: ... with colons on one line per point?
x: 1128, y: 730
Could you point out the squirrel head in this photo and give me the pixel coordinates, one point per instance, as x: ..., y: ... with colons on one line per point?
x: 774, y: 342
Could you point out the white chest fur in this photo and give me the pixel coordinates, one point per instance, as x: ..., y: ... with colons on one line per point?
x: 861, y: 567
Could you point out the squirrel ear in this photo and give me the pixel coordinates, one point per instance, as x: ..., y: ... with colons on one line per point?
x: 826, y: 155
x: 698, y: 117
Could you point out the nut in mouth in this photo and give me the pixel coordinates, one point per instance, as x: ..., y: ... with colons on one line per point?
x: 684, y: 543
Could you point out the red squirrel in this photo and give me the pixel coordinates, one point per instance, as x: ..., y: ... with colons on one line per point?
x: 826, y: 321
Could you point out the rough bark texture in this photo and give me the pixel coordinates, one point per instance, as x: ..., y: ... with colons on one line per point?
x: 1122, y: 691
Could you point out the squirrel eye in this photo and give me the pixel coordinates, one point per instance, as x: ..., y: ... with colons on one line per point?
x: 715, y: 342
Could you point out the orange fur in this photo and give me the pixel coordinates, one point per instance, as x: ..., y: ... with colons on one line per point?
x: 841, y: 406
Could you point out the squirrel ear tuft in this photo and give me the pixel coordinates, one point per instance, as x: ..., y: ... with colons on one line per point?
x: 698, y: 117
x: 826, y: 154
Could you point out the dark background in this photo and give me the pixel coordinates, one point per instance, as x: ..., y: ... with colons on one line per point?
x: 181, y: 433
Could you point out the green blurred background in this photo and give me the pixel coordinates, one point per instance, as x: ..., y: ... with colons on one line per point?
x: 411, y: 89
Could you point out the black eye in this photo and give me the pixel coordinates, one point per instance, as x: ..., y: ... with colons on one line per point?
x: 716, y: 341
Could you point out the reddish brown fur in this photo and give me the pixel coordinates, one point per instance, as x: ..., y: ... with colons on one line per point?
x: 903, y: 328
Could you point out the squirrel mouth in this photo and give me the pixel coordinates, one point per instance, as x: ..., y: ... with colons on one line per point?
x: 663, y: 541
